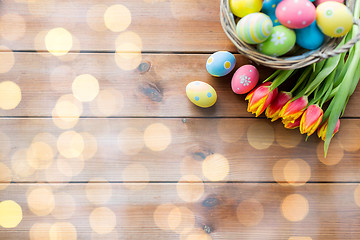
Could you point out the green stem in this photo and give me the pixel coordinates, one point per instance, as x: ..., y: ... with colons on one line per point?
x: 303, y: 76
x: 282, y: 77
x: 272, y: 76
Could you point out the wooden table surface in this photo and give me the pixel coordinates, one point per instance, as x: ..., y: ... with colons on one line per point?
x: 98, y: 139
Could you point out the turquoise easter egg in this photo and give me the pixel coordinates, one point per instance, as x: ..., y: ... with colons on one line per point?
x: 281, y: 41
x: 220, y: 63
x: 310, y: 37
x: 269, y: 7
x: 201, y: 94
x: 254, y: 28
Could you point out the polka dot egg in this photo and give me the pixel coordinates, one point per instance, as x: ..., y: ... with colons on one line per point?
x: 244, y: 79
x: 334, y: 19
x: 220, y: 63
x: 254, y: 28
x: 295, y: 14
x: 201, y: 94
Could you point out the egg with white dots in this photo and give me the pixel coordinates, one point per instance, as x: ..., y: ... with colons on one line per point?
x: 245, y: 79
x: 220, y: 63
x: 334, y: 19
x: 201, y: 94
x: 254, y: 28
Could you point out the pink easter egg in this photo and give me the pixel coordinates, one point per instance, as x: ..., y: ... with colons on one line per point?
x: 295, y: 14
x: 244, y: 79
x: 318, y: 2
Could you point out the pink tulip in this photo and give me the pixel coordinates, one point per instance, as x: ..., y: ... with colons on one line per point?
x: 260, y: 98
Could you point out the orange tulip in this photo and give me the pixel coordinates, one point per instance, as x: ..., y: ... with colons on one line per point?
x: 293, y: 109
x: 311, y: 119
x: 321, y: 132
x: 273, y: 110
x: 260, y: 98
x: 291, y: 125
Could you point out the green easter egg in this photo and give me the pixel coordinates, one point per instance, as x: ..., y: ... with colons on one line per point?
x: 281, y: 41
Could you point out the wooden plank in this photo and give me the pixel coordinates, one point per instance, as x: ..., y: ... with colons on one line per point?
x: 186, y: 25
x: 155, y: 88
x: 167, y: 149
x: 158, y: 211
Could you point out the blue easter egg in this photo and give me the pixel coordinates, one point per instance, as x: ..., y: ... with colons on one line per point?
x: 269, y: 7
x: 220, y: 63
x: 310, y: 37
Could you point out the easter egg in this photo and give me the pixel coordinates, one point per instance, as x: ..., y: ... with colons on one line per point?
x: 310, y: 37
x: 201, y: 94
x: 318, y: 2
x: 220, y: 63
x: 269, y: 7
x: 254, y: 28
x: 241, y: 8
x: 334, y: 19
x: 281, y: 41
x: 244, y: 79
x: 295, y: 13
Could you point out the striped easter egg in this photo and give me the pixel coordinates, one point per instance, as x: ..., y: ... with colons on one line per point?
x: 254, y: 28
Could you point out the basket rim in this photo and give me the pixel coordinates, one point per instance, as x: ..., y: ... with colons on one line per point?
x: 328, y: 49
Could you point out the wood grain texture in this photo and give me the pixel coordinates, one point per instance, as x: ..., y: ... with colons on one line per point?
x: 160, y: 149
x: 330, y: 212
x: 185, y: 26
x: 155, y: 88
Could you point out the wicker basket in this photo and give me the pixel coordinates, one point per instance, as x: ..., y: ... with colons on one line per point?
x: 299, y: 57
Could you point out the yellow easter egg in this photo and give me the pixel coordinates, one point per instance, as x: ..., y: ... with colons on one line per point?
x: 241, y: 8
x: 334, y: 19
x: 201, y: 94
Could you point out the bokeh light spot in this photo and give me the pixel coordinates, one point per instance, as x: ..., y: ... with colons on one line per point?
x: 295, y: 172
x: 10, y: 95
x: 157, y: 137
x: 40, y: 231
x: 10, y: 214
x: 295, y: 207
x: 287, y: 138
x: 190, y: 188
x: 334, y: 155
x: 250, y: 212
x: 70, y: 167
x: 102, y: 220
x: 85, y: 87
x: 117, y: 18
x: 90, y: 145
x: 39, y: 155
x: 131, y: 141
x: 161, y: 216
x: 215, y: 167
x: 260, y: 135
x: 230, y: 130
x: 357, y: 195
x: 5, y: 176
x: 7, y: 59
x: 58, y: 41
x: 98, y: 191
x: 70, y: 144
x: 41, y: 201
x: 349, y: 136
x: 19, y: 164
x: 67, y: 111
x: 63, y: 230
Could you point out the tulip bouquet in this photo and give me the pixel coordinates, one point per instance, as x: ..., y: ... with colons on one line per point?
x: 318, y: 99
